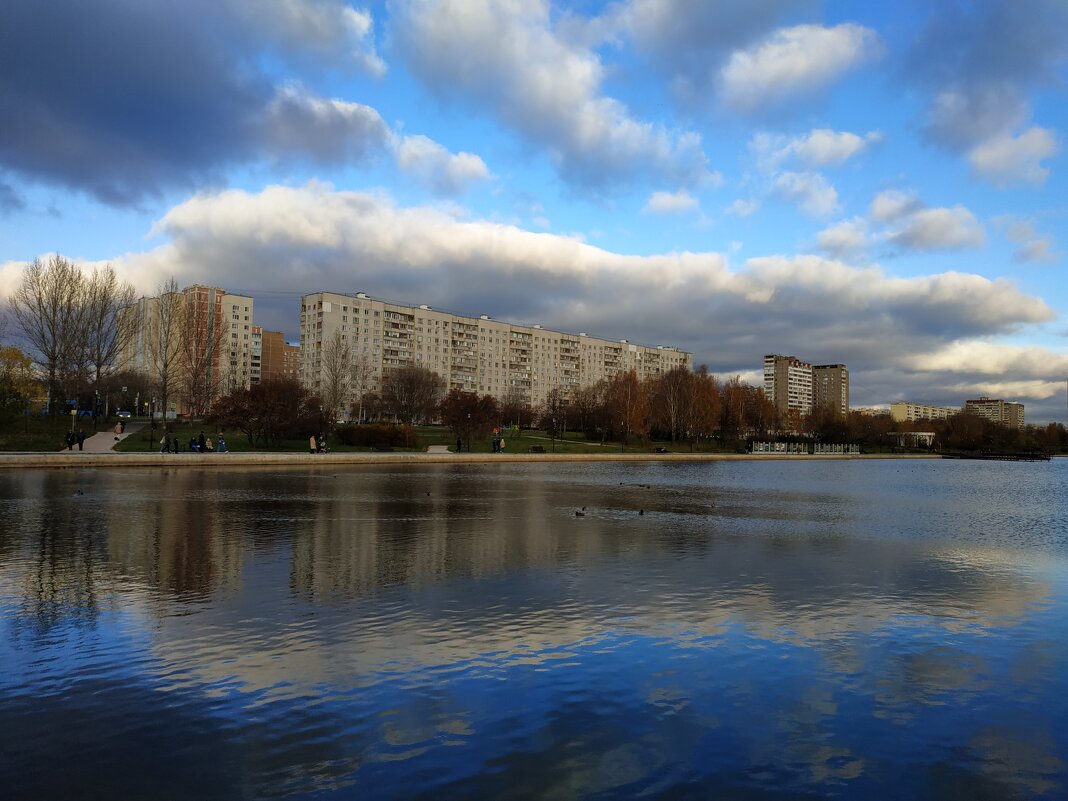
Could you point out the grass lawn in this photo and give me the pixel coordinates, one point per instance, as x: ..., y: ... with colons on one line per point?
x: 35, y: 433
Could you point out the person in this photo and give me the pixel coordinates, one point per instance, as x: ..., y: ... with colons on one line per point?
x: 222, y: 444
x: 70, y: 440
x: 322, y: 444
x: 165, y: 443
x: 500, y: 445
x: 201, y: 442
x: 207, y: 448
x: 81, y: 439
x: 311, y: 444
x: 193, y: 446
x: 118, y: 430
x: 459, y: 445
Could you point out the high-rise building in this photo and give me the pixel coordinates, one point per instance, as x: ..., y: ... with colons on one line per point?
x: 830, y: 387
x: 278, y: 359
x: 1009, y: 413
x: 788, y: 384
x: 475, y: 354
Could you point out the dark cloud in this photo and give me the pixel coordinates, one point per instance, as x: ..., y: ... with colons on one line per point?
x: 126, y: 99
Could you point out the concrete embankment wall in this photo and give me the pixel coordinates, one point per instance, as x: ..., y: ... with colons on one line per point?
x: 67, y: 459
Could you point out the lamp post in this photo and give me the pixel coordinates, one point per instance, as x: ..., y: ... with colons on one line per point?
x: 552, y: 434
x: 469, y: 432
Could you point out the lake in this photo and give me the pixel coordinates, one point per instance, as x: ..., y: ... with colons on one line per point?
x: 873, y: 629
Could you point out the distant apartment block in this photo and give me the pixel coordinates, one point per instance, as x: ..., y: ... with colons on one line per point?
x: 278, y: 359
x: 474, y: 354
x: 1008, y: 413
x: 215, y: 329
x: 903, y: 411
x: 796, y: 386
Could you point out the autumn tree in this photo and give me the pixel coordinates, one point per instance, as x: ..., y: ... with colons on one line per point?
x: 627, y: 403
x: 412, y: 393
x: 701, y: 412
x: 671, y: 395
x: 468, y: 414
x: 272, y: 410
x: 589, y: 410
x: 18, y: 386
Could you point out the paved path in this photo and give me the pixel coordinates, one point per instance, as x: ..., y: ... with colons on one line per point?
x: 104, y: 441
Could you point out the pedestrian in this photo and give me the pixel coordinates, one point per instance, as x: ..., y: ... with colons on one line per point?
x: 222, y: 444
x: 81, y: 439
x: 208, y: 448
x: 193, y: 446
x: 201, y: 442
x: 70, y: 440
x: 500, y: 446
x: 459, y: 445
x: 118, y: 430
x: 322, y: 444
x: 311, y: 444
x: 165, y: 443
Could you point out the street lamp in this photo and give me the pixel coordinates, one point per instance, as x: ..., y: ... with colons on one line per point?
x: 552, y: 434
x: 469, y: 432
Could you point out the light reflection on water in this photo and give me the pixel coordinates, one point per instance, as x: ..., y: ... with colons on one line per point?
x: 745, y: 630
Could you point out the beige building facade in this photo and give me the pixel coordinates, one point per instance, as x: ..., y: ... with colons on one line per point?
x: 905, y: 412
x: 473, y: 354
x: 1009, y: 413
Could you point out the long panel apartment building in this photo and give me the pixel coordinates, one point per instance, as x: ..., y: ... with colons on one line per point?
x: 473, y: 354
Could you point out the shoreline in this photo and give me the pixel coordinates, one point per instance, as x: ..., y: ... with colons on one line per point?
x: 68, y: 460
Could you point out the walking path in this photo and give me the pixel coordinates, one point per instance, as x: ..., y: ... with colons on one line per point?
x: 104, y: 441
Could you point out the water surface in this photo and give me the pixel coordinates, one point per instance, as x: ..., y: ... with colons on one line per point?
x: 734, y: 630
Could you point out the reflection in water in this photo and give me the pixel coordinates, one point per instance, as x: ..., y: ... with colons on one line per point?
x: 761, y: 630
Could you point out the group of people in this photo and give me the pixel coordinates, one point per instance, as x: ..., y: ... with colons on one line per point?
x: 74, y: 438
x: 317, y: 443
x: 199, y: 444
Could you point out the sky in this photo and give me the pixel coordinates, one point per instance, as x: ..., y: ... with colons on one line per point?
x: 877, y: 184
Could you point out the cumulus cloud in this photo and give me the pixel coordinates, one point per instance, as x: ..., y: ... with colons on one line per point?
x: 820, y: 147
x: 893, y: 204
x: 742, y: 207
x: 1006, y: 159
x: 794, y: 62
x: 844, y: 240
x: 939, y: 229
x: 444, y: 172
x: 1032, y: 247
x: 809, y: 191
x: 670, y: 202
x: 506, y: 56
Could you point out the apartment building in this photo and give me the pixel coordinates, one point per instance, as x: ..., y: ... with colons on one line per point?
x: 1008, y: 413
x: 830, y: 387
x: 904, y: 412
x: 214, y: 337
x: 278, y: 359
x: 788, y: 384
x: 473, y: 354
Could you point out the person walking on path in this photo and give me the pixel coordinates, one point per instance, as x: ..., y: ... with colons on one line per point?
x: 311, y: 444
x: 81, y: 440
x: 165, y: 444
x: 201, y: 442
x: 118, y: 430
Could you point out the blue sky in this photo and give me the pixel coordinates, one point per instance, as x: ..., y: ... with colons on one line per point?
x: 876, y: 184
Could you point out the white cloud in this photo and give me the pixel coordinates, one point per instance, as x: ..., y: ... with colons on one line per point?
x: 893, y: 204
x: 820, y: 147
x: 847, y: 238
x: 1005, y: 159
x: 939, y: 229
x: 444, y: 172
x: 810, y: 191
x: 505, y: 55
x: 742, y: 207
x: 981, y: 358
x: 1032, y: 247
x: 670, y: 202
x: 793, y: 62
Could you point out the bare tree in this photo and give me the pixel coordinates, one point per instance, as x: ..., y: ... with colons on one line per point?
x: 49, y: 312
x: 412, y: 393
x: 360, y: 380
x: 628, y: 406
x: 165, y: 342
x: 336, y: 366
x: 107, y: 328
x: 202, y: 337
x: 671, y: 391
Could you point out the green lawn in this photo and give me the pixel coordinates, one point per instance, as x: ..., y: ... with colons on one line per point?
x: 34, y: 433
